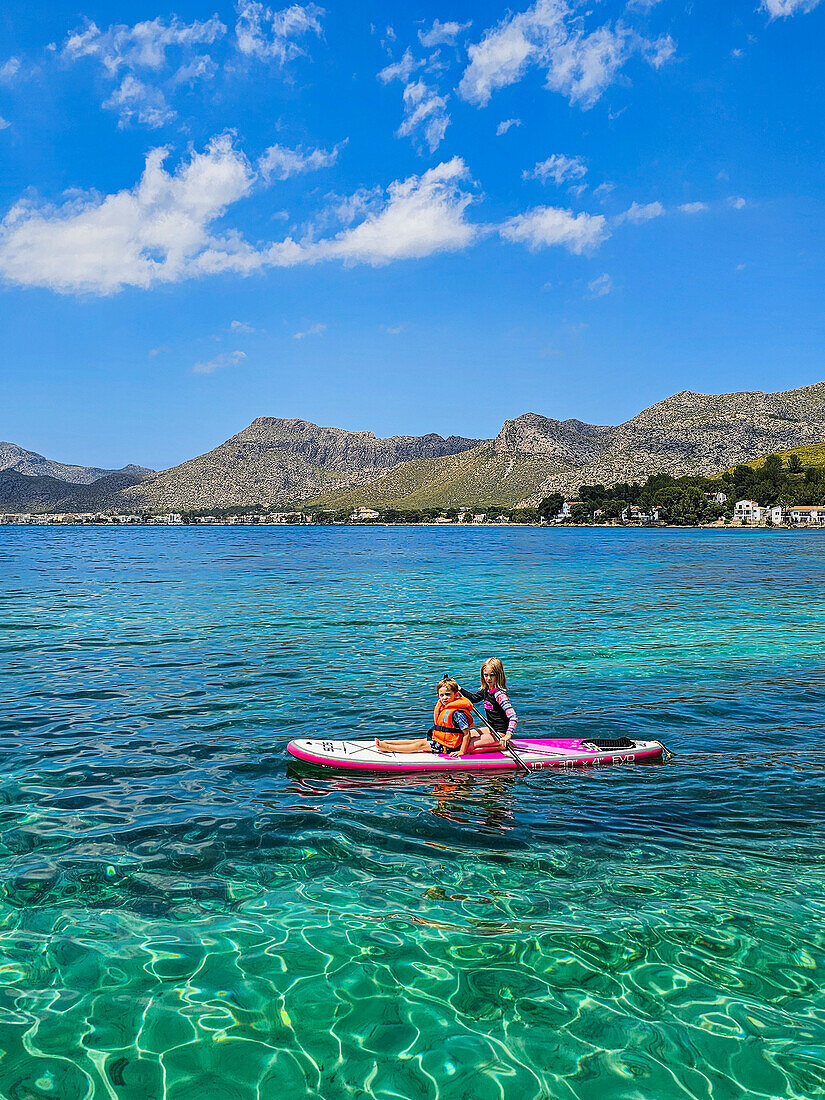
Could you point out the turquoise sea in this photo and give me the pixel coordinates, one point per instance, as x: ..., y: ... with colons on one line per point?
x: 184, y: 915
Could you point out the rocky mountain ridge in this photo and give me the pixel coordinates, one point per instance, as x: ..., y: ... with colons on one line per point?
x: 277, y: 462
x: 33, y: 464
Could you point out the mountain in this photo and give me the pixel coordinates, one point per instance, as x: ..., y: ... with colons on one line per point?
x: 42, y: 493
x: 276, y: 461
x: 694, y: 433
x: 32, y: 464
x: 532, y: 456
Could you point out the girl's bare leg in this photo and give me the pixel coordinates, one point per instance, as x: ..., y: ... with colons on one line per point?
x: 483, y: 739
x: 418, y: 744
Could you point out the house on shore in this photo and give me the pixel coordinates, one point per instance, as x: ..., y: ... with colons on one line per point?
x: 748, y: 511
x: 807, y: 514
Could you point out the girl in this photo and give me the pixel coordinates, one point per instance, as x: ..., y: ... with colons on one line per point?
x: 501, y: 717
x: 452, y: 719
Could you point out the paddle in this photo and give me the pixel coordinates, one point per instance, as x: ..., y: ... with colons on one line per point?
x: 508, y: 746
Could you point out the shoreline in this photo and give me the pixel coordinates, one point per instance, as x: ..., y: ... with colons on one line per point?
x: 39, y: 521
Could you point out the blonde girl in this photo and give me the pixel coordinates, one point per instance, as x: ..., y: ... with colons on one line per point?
x: 498, y: 710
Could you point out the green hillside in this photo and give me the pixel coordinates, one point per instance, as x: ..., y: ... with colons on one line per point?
x: 811, y: 454
x: 470, y: 479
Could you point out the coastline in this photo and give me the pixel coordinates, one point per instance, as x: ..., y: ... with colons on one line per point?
x: 120, y: 522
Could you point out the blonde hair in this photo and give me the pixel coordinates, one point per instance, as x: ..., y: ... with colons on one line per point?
x: 447, y: 681
x: 494, y: 665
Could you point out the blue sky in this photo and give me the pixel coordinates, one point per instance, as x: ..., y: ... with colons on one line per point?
x: 400, y: 217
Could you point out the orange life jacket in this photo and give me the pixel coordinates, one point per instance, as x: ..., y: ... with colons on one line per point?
x: 445, y: 732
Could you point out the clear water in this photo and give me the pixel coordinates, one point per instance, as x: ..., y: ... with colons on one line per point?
x: 184, y: 915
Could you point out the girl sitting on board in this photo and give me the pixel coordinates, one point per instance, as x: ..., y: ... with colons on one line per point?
x: 452, y: 719
x: 501, y: 717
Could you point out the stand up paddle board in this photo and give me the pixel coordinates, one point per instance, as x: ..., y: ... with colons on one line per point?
x: 542, y: 753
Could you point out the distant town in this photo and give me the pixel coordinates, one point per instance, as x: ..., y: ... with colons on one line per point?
x: 745, y: 513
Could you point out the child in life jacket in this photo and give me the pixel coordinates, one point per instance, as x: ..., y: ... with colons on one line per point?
x: 498, y: 710
x: 452, y: 722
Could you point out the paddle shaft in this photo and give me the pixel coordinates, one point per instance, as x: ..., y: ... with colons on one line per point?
x: 508, y: 746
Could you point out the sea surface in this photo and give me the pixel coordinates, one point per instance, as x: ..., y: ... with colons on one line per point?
x: 185, y: 915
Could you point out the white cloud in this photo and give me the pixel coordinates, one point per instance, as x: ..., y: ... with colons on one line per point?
x: 426, y: 110
x: 161, y: 230
x: 779, y: 8
x: 641, y: 212
x: 242, y: 327
x: 152, y: 233
x: 422, y: 215
x: 600, y: 286
x: 228, y: 359
x: 737, y: 202
x: 549, y: 34
x: 442, y: 34
x: 393, y: 330
x: 660, y: 51
x: 136, y: 101
x: 9, y: 70
x: 142, y: 46
x: 559, y: 168
x: 693, y: 207
x: 313, y: 330
x: 138, y: 58
x: 504, y: 126
x: 400, y: 70
x: 544, y: 226
x: 279, y: 162
x: 269, y: 35
x: 4, y: 123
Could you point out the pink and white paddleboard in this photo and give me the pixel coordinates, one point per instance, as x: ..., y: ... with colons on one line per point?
x: 550, y: 752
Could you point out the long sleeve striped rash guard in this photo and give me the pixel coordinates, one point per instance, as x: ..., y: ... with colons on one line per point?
x: 497, y: 709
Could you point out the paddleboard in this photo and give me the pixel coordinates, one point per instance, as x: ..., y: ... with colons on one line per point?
x: 548, y: 752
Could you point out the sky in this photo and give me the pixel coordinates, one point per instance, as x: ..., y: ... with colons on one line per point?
x: 400, y: 217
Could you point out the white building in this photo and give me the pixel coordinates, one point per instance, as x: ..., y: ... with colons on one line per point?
x: 748, y: 511
x: 566, y: 509
x: 808, y: 513
x: 364, y: 513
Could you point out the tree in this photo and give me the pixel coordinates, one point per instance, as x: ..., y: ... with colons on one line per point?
x: 794, y: 464
x: 525, y: 515
x: 551, y: 506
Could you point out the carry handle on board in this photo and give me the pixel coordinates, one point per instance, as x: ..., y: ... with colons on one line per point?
x: 508, y: 746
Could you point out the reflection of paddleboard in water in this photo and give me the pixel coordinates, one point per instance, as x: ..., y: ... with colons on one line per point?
x: 552, y: 752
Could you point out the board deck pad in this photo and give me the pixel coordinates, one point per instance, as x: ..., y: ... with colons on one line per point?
x: 547, y: 752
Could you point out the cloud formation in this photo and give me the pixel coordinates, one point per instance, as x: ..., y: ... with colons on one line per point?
x: 9, y: 70
x: 544, y: 226
x: 506, y: 124
x: 559, y: 168
x: 150, y: 234
x: 269, y: 35
x: 442, y: 34
x: 139, y: 58
x: 693, y: 207
x: 313, y: 330
x: 599, y: 287
x: 780, y: 8
x: 425, y: 110
x: 549, y: 35
x: 279, y: 162
x: 228, y: 359
x: 641, y: 212
x: 162, y: 229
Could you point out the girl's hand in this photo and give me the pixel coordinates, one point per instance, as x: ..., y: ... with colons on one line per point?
x: 506, y: 739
